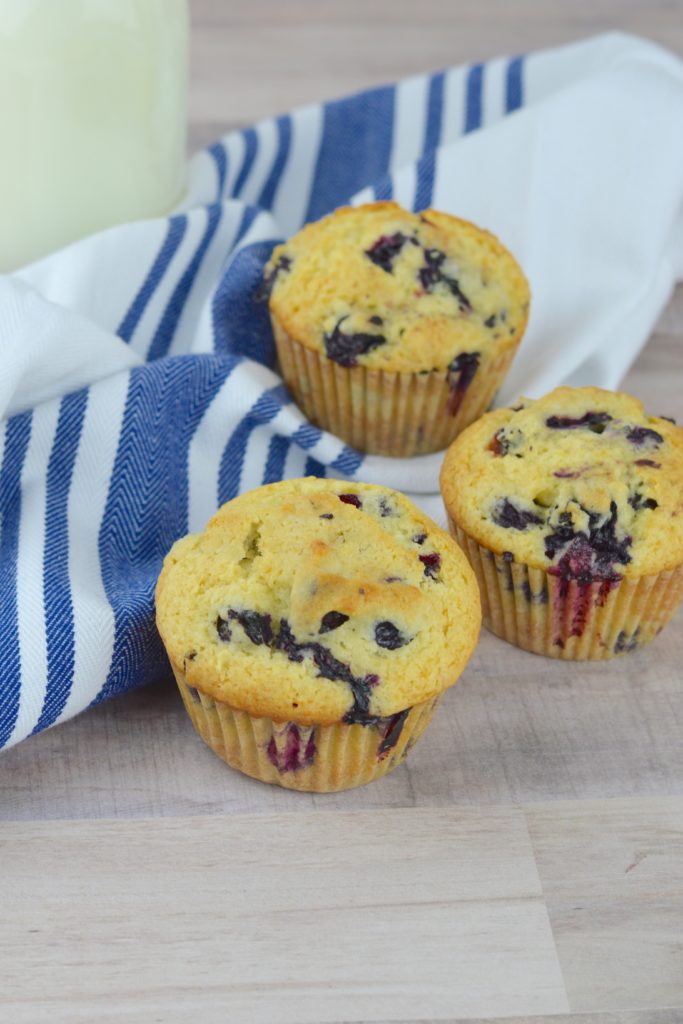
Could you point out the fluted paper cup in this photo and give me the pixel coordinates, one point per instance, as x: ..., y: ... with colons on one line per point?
x: 319, y: 758
x: 539, y: 612
x: 383, y: 412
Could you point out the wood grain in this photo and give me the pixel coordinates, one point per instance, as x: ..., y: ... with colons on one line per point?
x: 399, y: 919
x: 524, y: 865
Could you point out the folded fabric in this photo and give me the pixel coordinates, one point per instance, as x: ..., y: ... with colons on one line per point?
x: 137, y: 385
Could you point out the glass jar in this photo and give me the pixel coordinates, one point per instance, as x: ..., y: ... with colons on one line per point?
x: 92, y: 118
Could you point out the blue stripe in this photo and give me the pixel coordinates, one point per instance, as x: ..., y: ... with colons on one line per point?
x: 175, y: 232
x: 384, y: 190
x: 306, y: 436
x: 263, y: 411
x: 314, y: 468
x: 275, y: 462
x: 514, y: 85
x: 355, y: 148
x: 284, y: 131
x: 17, y: 437
x: 161, y: 342
x: 434, y: 112
x: 426, y: 170
x: 240, y: 324
x: 250, y: 150
x: 348, y: 461
x: 59, y: 624
x: 146, y: 508
x: 217, y: 151
x: 473, y: 97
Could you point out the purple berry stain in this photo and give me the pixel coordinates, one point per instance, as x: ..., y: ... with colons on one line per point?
x: 288, y: 750
x: 588, y: 558
x: 461, y: 372
x: 391, y: 729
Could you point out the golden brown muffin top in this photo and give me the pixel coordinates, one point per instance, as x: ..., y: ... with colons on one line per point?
x: 380, y: 287
x: 581, y: 483
x: 319, y: 601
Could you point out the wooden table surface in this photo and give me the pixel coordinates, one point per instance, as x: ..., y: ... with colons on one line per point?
x: 525, y: 863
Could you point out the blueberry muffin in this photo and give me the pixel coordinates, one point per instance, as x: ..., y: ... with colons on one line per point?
x: 394, y: 330
x: 312, y: 628
x: 570, y: 509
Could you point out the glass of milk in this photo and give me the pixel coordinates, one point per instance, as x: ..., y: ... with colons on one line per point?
x: 92, y: 118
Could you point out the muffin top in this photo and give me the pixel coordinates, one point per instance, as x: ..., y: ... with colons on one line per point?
x: 319, y: 601
x: 581, y: 483
x: 380, y: 287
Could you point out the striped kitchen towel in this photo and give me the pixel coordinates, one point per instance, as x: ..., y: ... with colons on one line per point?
x: 137, y: 385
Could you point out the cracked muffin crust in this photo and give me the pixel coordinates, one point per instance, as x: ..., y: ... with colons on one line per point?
x: 585, y: 490
x: 373, y: 303
x: 315, y: 608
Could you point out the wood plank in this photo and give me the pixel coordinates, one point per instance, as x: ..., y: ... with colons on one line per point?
x: 622, y: 848
x: 390, y: 915
x: 254, y: 60
x: 618, y: 953
x: 612, y: 875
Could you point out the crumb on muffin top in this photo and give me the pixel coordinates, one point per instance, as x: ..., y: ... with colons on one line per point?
x: 319, y: 601
x: 380, y: 287
x: 581, y: 483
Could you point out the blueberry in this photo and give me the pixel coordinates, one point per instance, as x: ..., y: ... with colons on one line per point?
x: 331, y: 668
x: 345, y: 348
x: 265, y: 290
x: 351, y: 499
x: 332, y: 620
x: 432, y: 564
x: 510, y: 517
x: 595, y: 421
x: 588, y: 556
x: 639, y: 435
x: 255, y: 625
x: 223, y: 630
x: 384, y: 251
x: 377, y: 320
x: 419, y: 538
x: 286, y: 642
x: 387, y: 635
x: 431, y: 274
x: 491, y: 322
x: 638, y: 502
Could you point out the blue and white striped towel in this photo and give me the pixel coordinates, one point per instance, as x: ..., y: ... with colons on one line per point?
x: 136, y: 387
